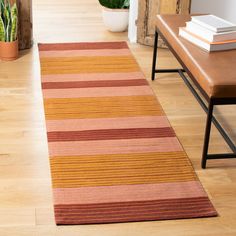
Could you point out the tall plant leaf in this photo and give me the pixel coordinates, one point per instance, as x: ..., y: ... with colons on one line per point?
x: 2, y: 30
x: 2, y: 6
x: 13, y: 35
x: 6, y: 15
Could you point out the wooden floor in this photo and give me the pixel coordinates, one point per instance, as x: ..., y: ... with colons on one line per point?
x: 25, y: 192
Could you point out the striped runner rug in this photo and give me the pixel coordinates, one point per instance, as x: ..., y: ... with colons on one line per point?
x: 114, y: 156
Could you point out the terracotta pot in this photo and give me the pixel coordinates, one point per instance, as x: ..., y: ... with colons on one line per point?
x: 9, y: 50
x: 116, y: 20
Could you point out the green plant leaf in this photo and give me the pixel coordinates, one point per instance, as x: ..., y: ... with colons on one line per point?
x: 13, y: 35
x: 9, y: 21
x: 115, y: 4
x: 126, y: 4
x: 14, y: 22
x: 2, y: 6
x: 2, y: 30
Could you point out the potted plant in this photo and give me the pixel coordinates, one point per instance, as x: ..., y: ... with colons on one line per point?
x: 115, y: 14
x: 8, y: 31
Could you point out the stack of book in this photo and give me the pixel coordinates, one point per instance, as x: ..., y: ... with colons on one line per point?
x: 210, y: 33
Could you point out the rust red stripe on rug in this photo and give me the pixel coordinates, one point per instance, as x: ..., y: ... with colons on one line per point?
x: 135, y: 211
x: 113, y: 154
x: 110, y: 134
x: 81, y: 46
x: 93, y: 84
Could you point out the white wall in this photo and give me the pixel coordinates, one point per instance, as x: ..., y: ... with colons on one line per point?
x: 225, y: 9
x: 133, y: 15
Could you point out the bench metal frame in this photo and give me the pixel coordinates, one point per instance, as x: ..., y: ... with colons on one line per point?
x: 208, y: 109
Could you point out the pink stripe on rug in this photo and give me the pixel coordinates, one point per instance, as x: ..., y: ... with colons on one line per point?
x: 107, y: 123
x: 128, y: 193
x: 97, y: 92
x: 92, y: 77
x: 74, y: 53
x: 114, y: 146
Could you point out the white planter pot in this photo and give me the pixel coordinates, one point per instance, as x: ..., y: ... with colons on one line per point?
x: 116, y: 20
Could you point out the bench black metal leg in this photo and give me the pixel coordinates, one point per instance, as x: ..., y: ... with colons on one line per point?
x: 154, y: 55
x: 208, y: 109
x: 154, y: 60
x: 207, y: 134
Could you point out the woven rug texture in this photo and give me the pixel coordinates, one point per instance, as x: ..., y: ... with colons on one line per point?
x: 113, y: 155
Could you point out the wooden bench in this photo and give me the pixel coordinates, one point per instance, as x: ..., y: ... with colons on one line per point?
x: 214, y: 75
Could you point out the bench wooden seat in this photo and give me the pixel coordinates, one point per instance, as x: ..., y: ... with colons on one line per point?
x: 214, y: 74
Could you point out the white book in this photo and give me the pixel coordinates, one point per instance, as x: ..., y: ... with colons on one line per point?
x: 208, y: 46
x: 209, y: 35
x: 214, y: 23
